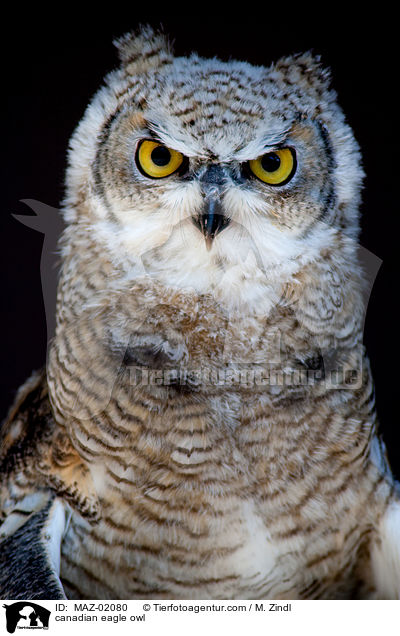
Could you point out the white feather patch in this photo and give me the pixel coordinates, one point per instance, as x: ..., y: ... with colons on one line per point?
x: 385, y: 556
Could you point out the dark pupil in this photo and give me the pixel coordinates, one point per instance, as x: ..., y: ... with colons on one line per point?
x: 161, y: 156
x: 270, y: 162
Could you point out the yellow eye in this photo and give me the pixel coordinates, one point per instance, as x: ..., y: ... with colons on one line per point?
x: 274, y: 168
x: 157, y: 161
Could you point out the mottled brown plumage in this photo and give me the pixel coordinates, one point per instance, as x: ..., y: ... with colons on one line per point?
x: 193, y: 423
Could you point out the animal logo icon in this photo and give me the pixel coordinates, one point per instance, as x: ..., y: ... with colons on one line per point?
x: 23, y: 614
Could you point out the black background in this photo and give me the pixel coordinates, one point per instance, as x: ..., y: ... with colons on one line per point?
x: 52, y: 63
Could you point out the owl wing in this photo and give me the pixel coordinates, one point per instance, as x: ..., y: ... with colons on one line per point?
x: 41, y: 478
x: 30, y: 553
x: 32, y: 518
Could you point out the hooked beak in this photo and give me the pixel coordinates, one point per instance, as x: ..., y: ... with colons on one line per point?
x: 212, y: 220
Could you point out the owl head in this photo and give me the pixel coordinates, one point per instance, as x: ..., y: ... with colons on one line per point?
x: 217, y: 176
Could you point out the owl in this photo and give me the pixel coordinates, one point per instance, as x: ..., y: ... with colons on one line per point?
x: 205, y: 424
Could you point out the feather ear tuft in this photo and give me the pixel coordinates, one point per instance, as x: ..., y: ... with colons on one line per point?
x: 143, y: 49
x: 305, y: 68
